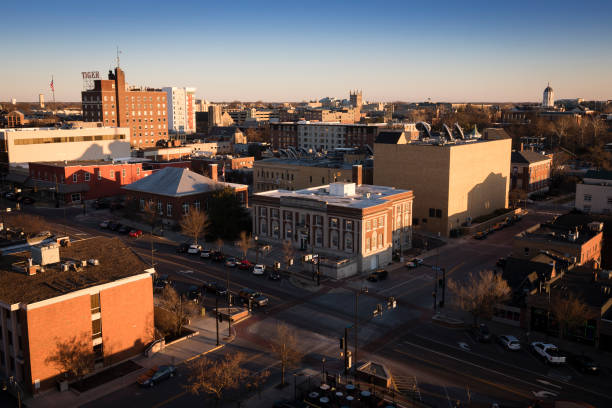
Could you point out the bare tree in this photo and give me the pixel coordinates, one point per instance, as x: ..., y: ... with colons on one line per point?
x: 570, y: 311
x: 257, y: 380
x: 245, y: 243
x: 73, y: 357
x: 29, y: 224
x: 597, y: 125
x: 479, y: 294
x: 288, y: 252
x: 215, y: 378
x: 560, y: 127
x: 179, y: 308
x: 193, y: 224
x: 516, y: 196
x: 219, y: 244
x: 284, y: 346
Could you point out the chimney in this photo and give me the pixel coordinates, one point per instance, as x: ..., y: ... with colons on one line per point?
x: 213, y: 171
x: 357, y: 174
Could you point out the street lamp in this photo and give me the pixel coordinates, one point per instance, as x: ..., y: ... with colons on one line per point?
x: 323, y: 369
x: 361, y: 291
x: 255, y: 238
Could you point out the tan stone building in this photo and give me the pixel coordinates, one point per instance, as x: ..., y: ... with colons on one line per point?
x: 453, y: 182
x: 358, y: 226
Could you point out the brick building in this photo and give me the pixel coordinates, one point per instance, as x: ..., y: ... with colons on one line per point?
x: 363, y: 223
x: 76, y: 295
x: 530, y: 171
x: 175, y: 191
x: 142, y: 110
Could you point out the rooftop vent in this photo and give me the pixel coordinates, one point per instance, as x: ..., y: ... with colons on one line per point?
x: 44, y: 255
x: 94, y: 262
x: 596, y: 226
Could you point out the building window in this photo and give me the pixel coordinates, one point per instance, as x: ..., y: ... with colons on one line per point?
x: 75, y: 197
x: 274, y: 212
x: 169, y: 210
x: 609, y: 200
x: 138, y: 171
x: 318, y: 237
x: 87, y: 176
x: 587, y: 208
x: 99, y: 174
x: 111, y: 174
x: 142, y: 204
x: 196, y: 205
x: 334, y: 239
x: 333, y: 222
x: 348, y: 225
x: 368, y: 225
x: 438, y: 213
x: 588, y: 197
x: 288, y: 232
x: 432, y: 212
x: 185, y: 208
x: 160, y: 208
x: 374, y: 241
x: 96, y: 329
x: 380, y: 240
x: 123, y: 173
x: 262, y: 211
x: 75, y: 178
x: 368, y: 245
x: 95, y: 303
x: 348, y: 243
x: 263, y: 226
x: 375, y: 223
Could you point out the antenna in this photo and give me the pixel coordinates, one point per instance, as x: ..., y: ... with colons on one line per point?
x: 118, y: 52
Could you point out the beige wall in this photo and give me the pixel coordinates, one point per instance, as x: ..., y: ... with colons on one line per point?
x: 460, y: 180
x: 86, y: 150
x: 301, y: 176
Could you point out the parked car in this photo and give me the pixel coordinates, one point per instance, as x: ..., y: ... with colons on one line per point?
x: 378, y: 275
x: 124, y: 229
x: 155, y: 375
x: 509, y: 342
x: 218, y: 257
x: 114, y: 226
x: 245, y: 265
x: 274, y: 275
x: 482, y: 333
x: 257, y: 299
x: 231, y: 262
x: 26, y: 200
x: 182, y: 247
x: 104, y: 224
x: 481, y: 235
x: 411, y: 265
x: 418, y: 261
x: 498, y: 226
x: 583, y: 363
x: 548, y: 352
x: 194, y: 249
x: 161, y: 281
x: 205, y: 253
x: 135, y: 233
x: 259, y: 269
x: 215, y: 288
x: 194, y: 293
x: 101, y: 203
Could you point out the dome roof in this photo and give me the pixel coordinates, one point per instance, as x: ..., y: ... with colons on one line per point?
x: 548, y: 89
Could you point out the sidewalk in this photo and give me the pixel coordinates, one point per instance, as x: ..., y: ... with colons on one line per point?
x: 175, y: 354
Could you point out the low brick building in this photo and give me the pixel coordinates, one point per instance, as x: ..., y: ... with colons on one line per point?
x: 530, y: 171
x: 175, y: 191
x: 95, y: 295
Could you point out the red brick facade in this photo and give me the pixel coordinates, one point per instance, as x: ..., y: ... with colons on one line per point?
x: 144, y: 111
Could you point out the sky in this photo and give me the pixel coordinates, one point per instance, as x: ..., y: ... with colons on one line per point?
x: 452, y: 51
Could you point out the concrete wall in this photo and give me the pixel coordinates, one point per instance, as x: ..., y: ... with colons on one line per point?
x: 599, y: 198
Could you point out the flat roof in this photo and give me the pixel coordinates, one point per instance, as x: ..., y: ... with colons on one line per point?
x: 327, y: 163
x: 558, y: 233
x: 365, y: 196
x: 117, y: 261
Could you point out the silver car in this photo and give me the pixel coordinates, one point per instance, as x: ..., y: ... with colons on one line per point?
x: 509, y: 342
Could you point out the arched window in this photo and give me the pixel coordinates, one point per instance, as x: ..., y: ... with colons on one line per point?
x: 263, y: 227
x: 348, y: 243
x: 275, y: 229
x: 334, y: 239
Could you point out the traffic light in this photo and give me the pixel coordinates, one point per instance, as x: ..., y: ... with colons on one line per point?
x: 341, y: 343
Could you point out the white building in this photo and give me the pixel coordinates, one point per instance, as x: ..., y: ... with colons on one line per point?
x: 334, y: 135
x: 181, y: 109
x: 41, y: 101
x: 548, y: 99
x: 23, y: 145
x: 594, y: 194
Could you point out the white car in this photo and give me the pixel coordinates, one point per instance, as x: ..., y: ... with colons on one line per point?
x: 104, y: 224
x: 259, y: 269
x: 205, y: 253
x: 548, y: 352
x: 509, y: 342
x: 194, y: 249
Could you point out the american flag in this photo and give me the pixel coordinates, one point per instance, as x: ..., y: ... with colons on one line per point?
x: 52, y: 86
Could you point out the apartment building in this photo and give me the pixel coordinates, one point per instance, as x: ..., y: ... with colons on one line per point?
x: 454, y: 182
x: 594, y: 194
x: 363, y: 224
x: 181, y: 109
x: 114, y: 103
x: 18, y: 147
x: 95, y: 296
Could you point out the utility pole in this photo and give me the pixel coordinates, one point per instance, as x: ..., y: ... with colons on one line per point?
x: 229, y: 304
x: 217, y: 317
x: 346, y: 361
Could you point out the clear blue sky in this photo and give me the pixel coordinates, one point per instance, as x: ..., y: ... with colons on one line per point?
x: 284, y: 50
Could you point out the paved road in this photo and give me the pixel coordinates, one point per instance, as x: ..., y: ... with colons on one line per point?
x: 417, y: 352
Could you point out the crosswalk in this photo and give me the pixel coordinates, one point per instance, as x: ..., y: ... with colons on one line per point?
x: 408, y: 386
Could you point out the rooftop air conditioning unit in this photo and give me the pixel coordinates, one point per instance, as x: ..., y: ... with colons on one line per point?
x: 94, y: 262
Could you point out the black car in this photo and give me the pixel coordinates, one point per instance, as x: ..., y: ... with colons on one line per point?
x: 161, y: 281
x: 483, y: 334
x: 378, y: 275
x: 217, y: 256
x: 27, y: 200
x: 273, y: 275
x: 215, y: 288
x: 194, y: 293
x: 183, y: 247
x: 155, y: 375
x: 583, y: 363
x: 124, y: 229
x: 257, y: 299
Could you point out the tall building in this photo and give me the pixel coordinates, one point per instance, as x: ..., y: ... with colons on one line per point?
x: 94, y: 296
x: 181, y: 109
x: 41, y: 100
x: 356, y: 98
x: 548, y: 99
x: 453, y: 182
x: 142, y: 110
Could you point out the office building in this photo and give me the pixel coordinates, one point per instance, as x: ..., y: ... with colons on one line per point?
x: 454, y: 182
x: 353, y: 227
x: 114, y: 103
x: 322, y: 135
x: 95, y: 296
x: 181, y: 109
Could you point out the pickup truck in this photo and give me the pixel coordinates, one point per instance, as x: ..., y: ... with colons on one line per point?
x: 548, y: 352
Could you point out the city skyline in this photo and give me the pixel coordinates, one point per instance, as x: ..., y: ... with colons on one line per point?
x: 279, y: 52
